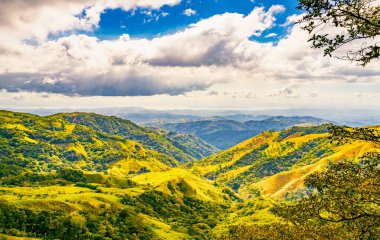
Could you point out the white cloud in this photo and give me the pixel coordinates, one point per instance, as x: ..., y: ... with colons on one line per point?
x: 189, y: 12
x: 193, y: 59
x: 212, y: 52
x: 271, y: 35
x: 26, y: 19
x: 291, y: 20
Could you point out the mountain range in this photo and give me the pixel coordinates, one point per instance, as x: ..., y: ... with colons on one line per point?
x: 344, y: 116
x: 224, y: 133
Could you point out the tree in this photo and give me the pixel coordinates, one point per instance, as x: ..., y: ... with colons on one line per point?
x: 345, y: 197
x: 360, y: 20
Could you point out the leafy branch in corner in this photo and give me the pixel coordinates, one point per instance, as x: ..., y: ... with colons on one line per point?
x: 360, y: 20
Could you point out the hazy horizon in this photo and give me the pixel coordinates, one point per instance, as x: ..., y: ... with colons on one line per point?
x: 353, y: 118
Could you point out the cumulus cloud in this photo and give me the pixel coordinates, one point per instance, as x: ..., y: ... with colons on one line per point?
x: 212, y: 51
x: 192, y: 59
x: 36, y: 19
x: 219, y: 40
x: 291, y: 20
x: 189, y: 12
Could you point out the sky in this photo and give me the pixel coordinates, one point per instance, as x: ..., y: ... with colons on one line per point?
x: 171, y: 54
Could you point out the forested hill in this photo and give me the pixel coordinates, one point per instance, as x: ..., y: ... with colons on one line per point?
x: 190, y: 144
x: 66, y: 180
x: 147, y: 137
x: 89, y: 142
x: 45, y: 144
x: 224, y: 133
x: 112, y: 126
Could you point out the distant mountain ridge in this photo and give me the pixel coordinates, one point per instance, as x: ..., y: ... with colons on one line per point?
x: 226, y: 133
x: 139, y: 115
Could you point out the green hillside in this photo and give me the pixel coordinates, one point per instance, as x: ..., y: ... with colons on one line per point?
x: 87, y: 176
x: 127, y: 129
x: 51, y: 143
x: 275, y: 163
x: 190, y: 144
x: 62, y: 179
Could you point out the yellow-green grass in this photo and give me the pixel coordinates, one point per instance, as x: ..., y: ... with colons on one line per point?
x: 28, y: 139
x: 63, y: 197
x: 234, y: 154
x: 73, y: 199
x: 277, y: 185
x: 232, y: 174
x: 16, y: 126
x: 253, y: 211
x: 7, y: 237
x: 78, y: 149
x: 57, y: 124
x: 125, y: 166
x: 162, y: 230
x: 195, y: 186
x: 299, y: 140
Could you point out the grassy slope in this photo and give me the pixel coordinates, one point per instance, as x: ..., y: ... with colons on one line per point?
x: 51, y: 143
x: 279, y: 185
x: 38, y: 145
x: 75, y: 199
x: 276, y: 162
x: 60, y: 144
x: 181, y: 182
x: 127, y: 129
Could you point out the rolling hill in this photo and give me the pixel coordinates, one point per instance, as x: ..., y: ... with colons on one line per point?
x: 61, y: 179
x: 88, y: 176
x: 44, y: 144
x: 226, y: 133
x: 275, y: 163
x: 127, y: 129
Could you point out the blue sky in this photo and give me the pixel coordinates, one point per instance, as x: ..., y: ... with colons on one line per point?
x: 171, y: 54
x: 148, y: 23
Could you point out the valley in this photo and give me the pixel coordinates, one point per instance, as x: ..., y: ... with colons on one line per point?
x: 225, y: 133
